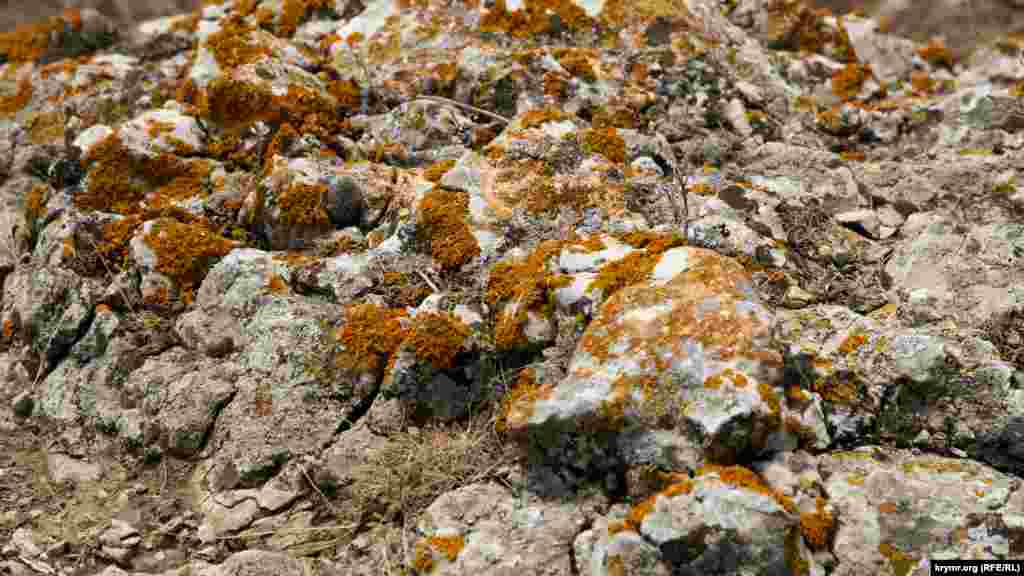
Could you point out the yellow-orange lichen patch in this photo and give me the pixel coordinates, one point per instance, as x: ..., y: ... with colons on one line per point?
x: 848, y: 81
x: 35, y: 202
x: 606, y: 142
x: 680, y: 485
x: 936, y: 53
x: 447, y: 546
x: 900, y: 561
x: 303, y: 205
x: 518, y: 403
x: 443, y: 216
x: 792, y: 25
x: 232, y: 46
x: 578, y: 62
x: 29, y: 42
x: 294, y: 12
x: 437, y: 338
x: 728, y: 375
x: 13, y: 103
x: 921, y: 82
x: 347, y: 92
x: 852, y: 343
x: 636, y: 266
x: 437, y: 170
x: 277, y: 285
x: 615, y: 117
x: 539, y: 116
x: 185, y: 251
x: 112, y: 184
x: 534, y: 17
x: 525, y: 284
x: 818, y: 527
x: 556, y: 85
x: 233, y: 103
x: 747, y: 479
x: 370, y: 335
x: 283, y: 138
x: 119, y: 180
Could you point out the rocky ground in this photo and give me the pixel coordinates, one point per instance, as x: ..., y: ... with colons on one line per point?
x: 124, y: 14
x: 551, y: 287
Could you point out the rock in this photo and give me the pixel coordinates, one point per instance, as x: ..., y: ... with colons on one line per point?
x: 63, y: 468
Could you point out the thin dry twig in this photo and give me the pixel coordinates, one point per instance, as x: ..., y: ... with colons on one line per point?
x: 103, y: 261
x: 317, y: 488
x: 444, y: 100
x: 686, y: 204
x: 427, y: 280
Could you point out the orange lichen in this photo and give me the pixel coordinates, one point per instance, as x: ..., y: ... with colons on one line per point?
x: 736, y: 378
x: 921, y: 82
x: 277, y: 285
x: 818, y: 527
x: 606, y: 142
x: 852, y: 342
x: 232, y: 46
x: 635, y: 518
x: 745, y: 478
x: 279, y: 144
x: 294, y: 12
x: 186, y: 23
x: 901, y: 562
x: 539, y: 116
x: 534, y: 17
x: 794, y: 26
x: 437, y: 170
x: 524, y: 284
x: 29, y: 42
x: 442, y: 214
x: 615, y: 117
x: 11, y: 104
x: 35, y: 202
x: 437, y: 338
x: 555, y: 85
x: 185, y: 251
x: 636, y: 266
x: 303, y: 205
x: 347, y: 92
x: 936, y: 53
x: 370, y: 335
x: 578, y: 62
x: 118, y: 179
x: 518, y: 403
x: 8, y: 330
x: 847, y: 82
x: 448, y: 546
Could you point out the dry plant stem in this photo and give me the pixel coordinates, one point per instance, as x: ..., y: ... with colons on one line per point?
x: 103, y: 260
x: 444, y: 100
x: 686, y: 205
x: 287, y: 531
x: 314, y: 486
x: 427, y: 280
